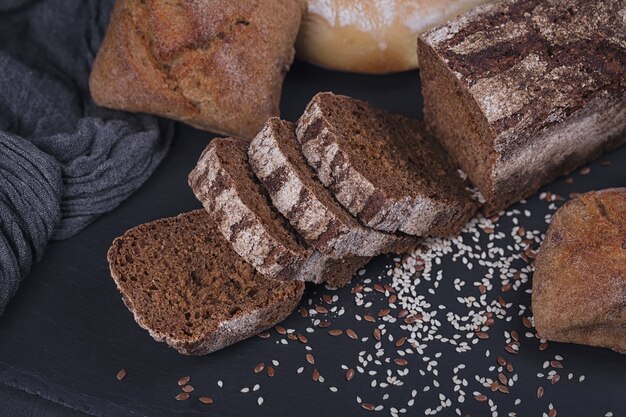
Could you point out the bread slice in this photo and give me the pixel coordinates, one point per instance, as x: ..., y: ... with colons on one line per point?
x: 224, y: 182
x: 277, y: 160
x: 579, y: 283
x: 383, y: 168
x: 187, y: 287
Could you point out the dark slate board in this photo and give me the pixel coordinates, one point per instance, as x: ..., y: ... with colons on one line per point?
x: 67, y: 332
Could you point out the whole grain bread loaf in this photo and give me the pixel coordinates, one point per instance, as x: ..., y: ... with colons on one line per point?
x: 579, y: 284
x: 523, y: 91
x: 216, y: 65
x: 187, y: 287
x: 383, y: 168
x: 277, y: 160
x: 224, y: 182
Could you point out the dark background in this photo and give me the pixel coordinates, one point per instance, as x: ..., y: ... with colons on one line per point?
x: 67, y: 333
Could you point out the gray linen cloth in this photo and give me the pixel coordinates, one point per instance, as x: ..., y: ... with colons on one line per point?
x: 63, y: 160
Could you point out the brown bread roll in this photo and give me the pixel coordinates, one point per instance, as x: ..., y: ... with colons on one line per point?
x: 579, y: 285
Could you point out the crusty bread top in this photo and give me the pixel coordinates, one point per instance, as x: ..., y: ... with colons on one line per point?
x: 217, y: 65
x: 185, y: 284
x: 530, y: 64
x: 580, y: 272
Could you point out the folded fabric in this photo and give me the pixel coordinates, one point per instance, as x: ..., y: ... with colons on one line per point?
x: 63, y: 160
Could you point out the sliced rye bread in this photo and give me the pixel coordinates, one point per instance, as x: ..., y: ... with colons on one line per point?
x: 224, y: 182
x: 187, y: 287
x: 277, y: 160
x: 384, y: 168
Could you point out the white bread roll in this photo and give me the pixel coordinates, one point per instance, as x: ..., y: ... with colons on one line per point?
x: 371, y: 36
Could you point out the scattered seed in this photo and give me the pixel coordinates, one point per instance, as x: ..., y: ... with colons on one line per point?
x: 302, y: 338
x: 183, y: 396
x: 321, y: 309
x: 121, y: 374
x: 482, y: 335
x: 324, y: 324
x: 316, y: 375
x: 377, y: 334
x: 351, y: 334
x: 264, y: 335
x: 188, y: 388
x: 310, y: 359
x: 501, y: 360
x: 400, y: 342
x: 335, y: 332
x: 349, y: 374
x: 258, y: 368
x: 206, y: 400
x: 552, y: 412
x: 384, y: 312
x: 260, y: 401
x: 368, y: 406
x: 540, y: 392
x: 556, y: 364
x: 480, y: 398
x: 280, y: 330
x: 369, y: 318
x: 271, y: 371
x: 400, y: 361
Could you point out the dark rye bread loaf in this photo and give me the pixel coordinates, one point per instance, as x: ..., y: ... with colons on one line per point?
x: 383, y: 168
x: 225, y: 184
x: 189, y: 289
x: 277, y: 160
x: 523, y: 91
x: 579, y: 284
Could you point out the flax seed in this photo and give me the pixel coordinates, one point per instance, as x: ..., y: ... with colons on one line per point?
x: 183, y: 396
x: 351, y: 334
x: 259, y: 368
x: 310, y: 359
x: 349, y: 374
x: 121, y: 374
x: 335, y: 332
x: 206, y: 400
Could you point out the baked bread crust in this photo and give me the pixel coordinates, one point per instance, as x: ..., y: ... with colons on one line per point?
x: 225, y: 184
x: 579, y: 284
x: 188, y: 288
x: 371, y: 36
x: 216, y: 65
x: 521, y: 92
x: 383, y: 168
x: 277, y: 160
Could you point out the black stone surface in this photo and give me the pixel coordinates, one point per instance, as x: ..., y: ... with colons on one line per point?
x: 67, y: 333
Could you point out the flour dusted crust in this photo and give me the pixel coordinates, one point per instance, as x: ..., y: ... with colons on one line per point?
x: 216, y: 65
x: 521, y: 92
x: 579, y: 284
x: 188, y: 288
x: 371, y: 36
x: 276, y: 158
x: 383, y: 168
x: 224, y: 182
